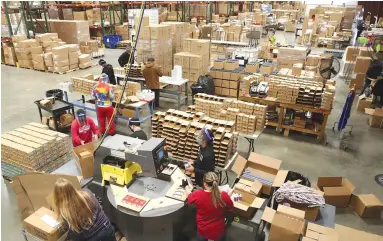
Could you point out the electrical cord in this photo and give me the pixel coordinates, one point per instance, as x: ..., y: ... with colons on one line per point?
x: 127, y: 72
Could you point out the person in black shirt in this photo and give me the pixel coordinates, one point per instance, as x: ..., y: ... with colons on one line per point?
x: 206, y: 158
x: 374, y: 71
x: 108, y: 70
x: 124, y: 57
x: 134, y: 126
x: 360, y: 27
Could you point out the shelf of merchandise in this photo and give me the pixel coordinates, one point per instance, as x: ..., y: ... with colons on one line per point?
x: 29, y: 16
x: 282, y: 107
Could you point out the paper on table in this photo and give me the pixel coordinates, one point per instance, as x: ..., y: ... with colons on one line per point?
x: 49, y: 220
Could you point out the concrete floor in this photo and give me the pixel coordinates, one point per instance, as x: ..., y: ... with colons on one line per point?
x: 21, y: 87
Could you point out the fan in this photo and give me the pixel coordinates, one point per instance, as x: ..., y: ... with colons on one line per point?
x: 329, y: 67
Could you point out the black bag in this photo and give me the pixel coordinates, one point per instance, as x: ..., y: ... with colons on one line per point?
x: 207, y: 83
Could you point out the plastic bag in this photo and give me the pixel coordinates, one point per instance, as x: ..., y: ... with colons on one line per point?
x: 206, y: 82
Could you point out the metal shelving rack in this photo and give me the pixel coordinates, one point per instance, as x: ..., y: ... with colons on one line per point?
x: 29, y: 16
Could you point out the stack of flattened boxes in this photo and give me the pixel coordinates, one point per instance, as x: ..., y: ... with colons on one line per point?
x: 60, y: 56
x: 34, y: 148
x: 155, y: 41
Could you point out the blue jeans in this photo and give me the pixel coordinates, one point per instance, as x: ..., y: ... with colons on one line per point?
x: 199, y: 238
x: 106, y: 234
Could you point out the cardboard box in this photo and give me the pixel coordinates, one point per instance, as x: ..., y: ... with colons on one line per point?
x: 218, y: 63
x: 367, y: 205
x: 264, y: 166
x: 315, y: 232
x: 225, y: 92
x: 337, y: 190
x: 363, y: 103
x: 85, y: 159
x: 226, y: 76
x: 36, y: 50
x: 286, y: 223
x: 267, y: 69
x: 226, y: 84
x: 231, y: 64
x: 249, y: 203
x: 362, y: 64
x: 44, y: 224
x: 352, y: 53
x: 376, y: 117
x: 357, y: 81
x: 79, y: 15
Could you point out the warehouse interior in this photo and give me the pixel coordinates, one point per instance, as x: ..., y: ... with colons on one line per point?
x: 324, y: 151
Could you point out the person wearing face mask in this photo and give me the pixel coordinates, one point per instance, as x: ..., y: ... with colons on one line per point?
x: 134, y: 126
x: 104, y: 95
x: 83, y: 129
x: 206, y: 157
x: 212, y: 205
x: 108, y: 70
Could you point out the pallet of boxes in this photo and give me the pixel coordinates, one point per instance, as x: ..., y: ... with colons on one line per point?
x: 155, y: 41
x: 33, y: 147
x: 226, y: 75
x: 194, y: 59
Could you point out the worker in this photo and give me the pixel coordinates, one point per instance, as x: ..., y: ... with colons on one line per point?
x: 360, y: 27
x: 152, y: 74
x: 206, y: 157
x: 108, y: 70
x: 104, y: 97
x: 83, y: 129
x: 272, y: 38
x: 211, y: 207
x: 377, y: 91
x: 134, y: 126
x: 374, y: 71
x: 81, y: 212
x: 313, y: 17
x: 124, y: 57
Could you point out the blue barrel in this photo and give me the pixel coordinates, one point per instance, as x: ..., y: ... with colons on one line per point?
x: 110, y: 41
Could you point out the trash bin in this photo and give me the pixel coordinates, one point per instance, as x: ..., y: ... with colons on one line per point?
x: 110, y: 41
x: 57, y: 93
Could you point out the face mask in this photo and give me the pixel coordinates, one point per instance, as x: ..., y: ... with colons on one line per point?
x: 199, y: 139
x: 81, y: 119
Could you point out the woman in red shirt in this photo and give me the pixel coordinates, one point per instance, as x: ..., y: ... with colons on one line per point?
x: 83, y: 129
x: 211, y: 208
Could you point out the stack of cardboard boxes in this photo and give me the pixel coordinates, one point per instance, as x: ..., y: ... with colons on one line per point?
x: 49, y: 41
x: 9, y: 54
x: 155, y: 41
x: 328, y: 97
x: 179, y: 31
x: 34, y: 148
x: 74, y: 53
x: 226, y: 74
x: 23, y: 52
x: 88, y: 47
x: 38, y: 58
x: 194, y: 59
x: 287, y: 56
x: 70, y: 31
x: 60, y: 56
x: 122, y: 30
x: 84, y: 61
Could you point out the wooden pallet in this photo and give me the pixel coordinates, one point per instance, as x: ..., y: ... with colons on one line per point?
x: 86, y: 67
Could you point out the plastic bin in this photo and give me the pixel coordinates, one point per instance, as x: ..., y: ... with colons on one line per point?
x: 110, y: 41
x: 57, y: 93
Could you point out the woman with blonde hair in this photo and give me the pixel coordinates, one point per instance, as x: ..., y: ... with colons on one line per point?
x: 212, y: 205
x: 81, y: 211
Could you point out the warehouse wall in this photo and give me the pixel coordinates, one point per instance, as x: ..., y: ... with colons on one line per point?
x: 374, y: 7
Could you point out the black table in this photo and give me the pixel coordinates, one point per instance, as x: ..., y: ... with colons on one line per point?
x: 58, y: 108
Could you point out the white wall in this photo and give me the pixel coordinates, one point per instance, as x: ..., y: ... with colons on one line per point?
x: 313, y: 3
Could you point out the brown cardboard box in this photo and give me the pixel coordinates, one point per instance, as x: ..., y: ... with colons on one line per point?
x: 218, y: 90
x: 363, y: 103
x: 351, y: 53
x: 313, y: 60
x: 233, y: 93
x: 79, y: 15
x: 367, y: 205
x: 362, y: 64
x: 337, y: 190
x: 266, y: 69
x: 195, y: 61
x: 225, y: 92
x: 286, y: 223
x: 61, y: 50
x: 186, y: 74
x: 376, y: 117
x: 364, y: 52
x: 44, y: 224
x: 36, y: 50
x: 32, y: 189
x: 350, y: 234
x: 234, y: 85
x: 252, y: 67
x: 67, y: 13
x: 249, y: 203
x: 231, y: 64
x: 226, y: 76
x: 218, y: 63
x: 357, y: 81
x: 185, y: 61
x: 217, y: 82
x: 85, y: 159
x: 226, y: 84
x: 317, y: 233
x: 265, y: 167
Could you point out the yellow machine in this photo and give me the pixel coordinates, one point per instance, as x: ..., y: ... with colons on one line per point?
x: 120, y: 176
